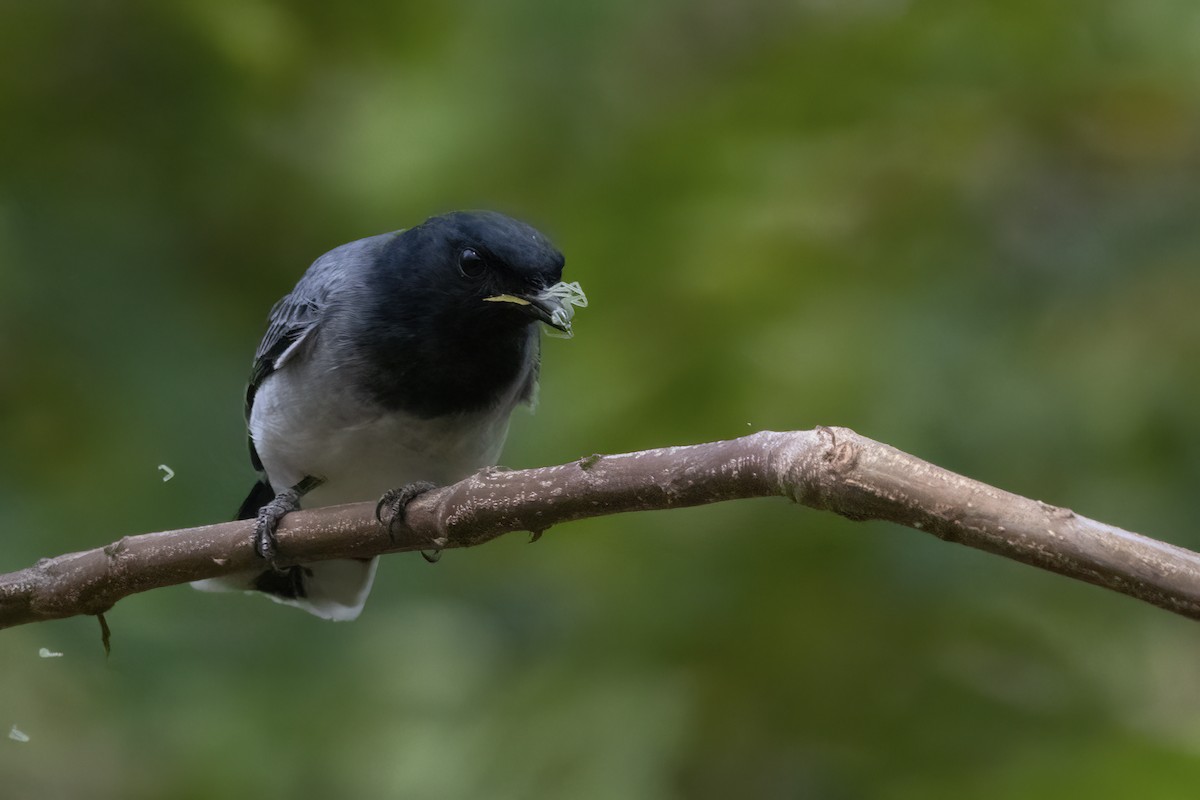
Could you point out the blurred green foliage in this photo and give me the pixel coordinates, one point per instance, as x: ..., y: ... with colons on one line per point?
x: 966, y: 229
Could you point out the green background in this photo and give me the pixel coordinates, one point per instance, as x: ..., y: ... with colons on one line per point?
x: 965, y: 229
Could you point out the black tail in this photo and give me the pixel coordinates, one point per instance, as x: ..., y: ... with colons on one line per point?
x: 259, y: 496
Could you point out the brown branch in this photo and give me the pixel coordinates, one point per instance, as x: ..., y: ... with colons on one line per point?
x: 828, y: 468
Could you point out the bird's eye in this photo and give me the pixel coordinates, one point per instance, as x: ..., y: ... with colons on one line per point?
x: 470, y: 263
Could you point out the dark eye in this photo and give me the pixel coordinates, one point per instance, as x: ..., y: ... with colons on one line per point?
x: 470, y: 263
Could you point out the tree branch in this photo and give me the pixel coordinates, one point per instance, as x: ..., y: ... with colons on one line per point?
x: 834, y: 469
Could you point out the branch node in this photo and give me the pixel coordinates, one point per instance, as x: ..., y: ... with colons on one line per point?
x: 114, y: 550
x: 842, y: 457
x: 1056, y: 512
x: 587, y: 462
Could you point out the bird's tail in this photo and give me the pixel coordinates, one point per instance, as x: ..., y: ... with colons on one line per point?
x: 334, y: 590
x: 259, y: 496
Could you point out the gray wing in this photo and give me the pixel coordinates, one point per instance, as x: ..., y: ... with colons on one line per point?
x: 296, y: 317
x: 291, y: 321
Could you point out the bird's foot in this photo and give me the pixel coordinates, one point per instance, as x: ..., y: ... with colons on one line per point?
x: 267, y: 521
x: 390, y: 513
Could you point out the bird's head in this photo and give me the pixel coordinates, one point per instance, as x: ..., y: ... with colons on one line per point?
x: 489, y: 270
x: 446, y: 314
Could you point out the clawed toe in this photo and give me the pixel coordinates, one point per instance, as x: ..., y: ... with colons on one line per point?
x: 390, y: 513
x: 265, y: 543
x: 267, y: 521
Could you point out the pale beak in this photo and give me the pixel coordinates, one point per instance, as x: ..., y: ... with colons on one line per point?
x: 553, y: 306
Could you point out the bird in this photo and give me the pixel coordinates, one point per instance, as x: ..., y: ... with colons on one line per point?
x: 396, y: 361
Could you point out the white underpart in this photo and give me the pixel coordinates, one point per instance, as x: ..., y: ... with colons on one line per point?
x: 359, y: 456
x: 359, y: 452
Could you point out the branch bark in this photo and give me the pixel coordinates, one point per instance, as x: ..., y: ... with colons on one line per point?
x: 833, y: 469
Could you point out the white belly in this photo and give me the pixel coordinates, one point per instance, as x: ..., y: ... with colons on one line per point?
x: 361, y: 452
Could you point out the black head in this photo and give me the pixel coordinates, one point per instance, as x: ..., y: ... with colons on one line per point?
x: 486, y: 269
x: 452, y: 305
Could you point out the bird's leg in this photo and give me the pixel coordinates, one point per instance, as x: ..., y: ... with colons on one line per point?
x: 269, y: 516
x: 394, y: 501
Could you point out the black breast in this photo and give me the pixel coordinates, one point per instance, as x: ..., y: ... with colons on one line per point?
x: 444, y: 369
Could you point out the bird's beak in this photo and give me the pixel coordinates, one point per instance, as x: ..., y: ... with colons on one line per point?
x: 553, y: 306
